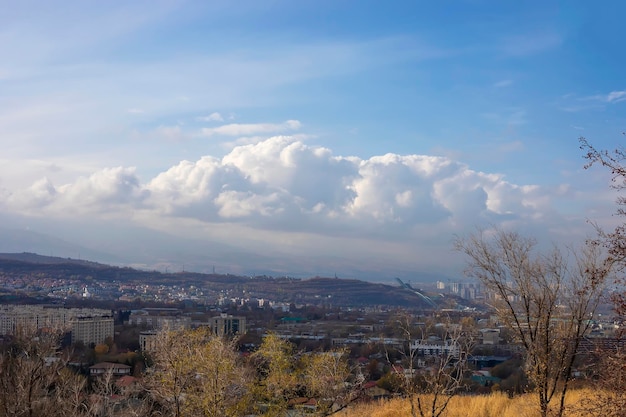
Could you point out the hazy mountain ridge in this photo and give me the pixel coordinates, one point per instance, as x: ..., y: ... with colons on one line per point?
x: 154, y: 250
x: 34, y: 258
x: 19, y: 241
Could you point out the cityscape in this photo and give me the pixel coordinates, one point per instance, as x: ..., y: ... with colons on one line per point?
x: 452, y: 323
x: 312, y: 208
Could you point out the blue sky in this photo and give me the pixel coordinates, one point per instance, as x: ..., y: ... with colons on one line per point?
x: 305, y: 137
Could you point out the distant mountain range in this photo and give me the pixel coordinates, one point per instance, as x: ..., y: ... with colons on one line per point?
x: 34, y: 258
x: 153, y: 250
x: 26, y: 241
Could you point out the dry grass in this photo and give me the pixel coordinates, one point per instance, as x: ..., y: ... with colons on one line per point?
x: 493, y: 405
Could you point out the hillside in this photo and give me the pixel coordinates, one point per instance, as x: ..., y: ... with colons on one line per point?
x: 318, y: 290
x: 34, y: 258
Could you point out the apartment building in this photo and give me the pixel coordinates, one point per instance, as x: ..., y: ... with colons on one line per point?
x: 13, y: 317
x: 148, y: 340
x: 225, y: 324
x: 436, y: 348
x: 160, y: 319
x: 92, y: 330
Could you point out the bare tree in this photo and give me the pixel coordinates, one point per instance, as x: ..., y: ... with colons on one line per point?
x: 433, y: 366
x: 103, y: 392
x: 615, y: 241
x: 34, y: 378
x: 70, y: 391
x: 545, y: 298
x: 611, y: 398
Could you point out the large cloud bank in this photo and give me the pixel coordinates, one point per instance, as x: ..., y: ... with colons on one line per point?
x: 284, y: 184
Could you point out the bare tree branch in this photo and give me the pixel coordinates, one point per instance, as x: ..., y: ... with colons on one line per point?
x: 546, y: 299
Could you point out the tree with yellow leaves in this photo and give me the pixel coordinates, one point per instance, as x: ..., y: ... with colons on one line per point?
x: 329, y: 378
x: 284, y: 375
x: 197, y: 373
x: 278, y: 379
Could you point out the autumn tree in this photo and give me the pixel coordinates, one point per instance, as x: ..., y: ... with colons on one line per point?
x: 546, y: 297
x: 329, y: 378
x: 222, y: 388
x: 197, y: 373
x: 282, y: 375
x: 277, y: 379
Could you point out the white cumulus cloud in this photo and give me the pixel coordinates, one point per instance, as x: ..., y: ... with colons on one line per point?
x: 286, y: 192
x: 284, y: 183
x: 111, y: 189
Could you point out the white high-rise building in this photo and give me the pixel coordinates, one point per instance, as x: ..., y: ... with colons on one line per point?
x: 92, y: 329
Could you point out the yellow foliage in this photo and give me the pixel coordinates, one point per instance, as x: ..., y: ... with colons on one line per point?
x: 278, y: 380
x: 196, y: 373
x: 101, y: 349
